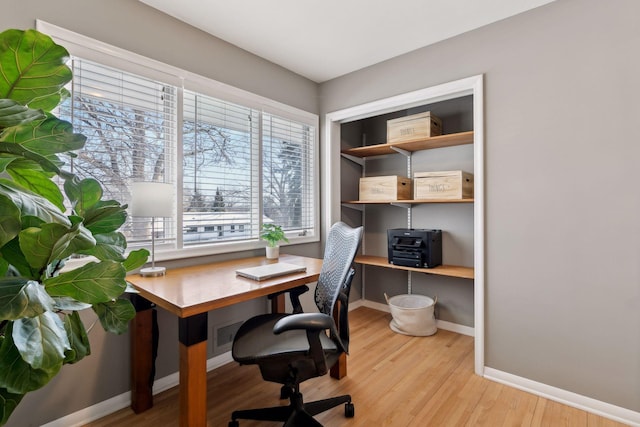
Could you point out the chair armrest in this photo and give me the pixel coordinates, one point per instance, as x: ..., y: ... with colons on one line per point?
x: 305, y: 321
x: 313, y: 323
x: 294, y: 296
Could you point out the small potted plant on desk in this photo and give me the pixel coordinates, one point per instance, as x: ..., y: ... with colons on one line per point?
x: 273, y: 234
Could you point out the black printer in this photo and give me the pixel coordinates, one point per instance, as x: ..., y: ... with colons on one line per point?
x: 415, y: 247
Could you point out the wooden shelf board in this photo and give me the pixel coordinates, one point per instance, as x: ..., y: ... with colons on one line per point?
x: 441, y: 270
x: 386, y: 202
x: 440, y: 141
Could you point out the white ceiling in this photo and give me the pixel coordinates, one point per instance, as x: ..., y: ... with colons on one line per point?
x: 325, y: 39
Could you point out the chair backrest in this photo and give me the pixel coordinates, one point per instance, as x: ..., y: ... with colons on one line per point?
x: 340, y: 250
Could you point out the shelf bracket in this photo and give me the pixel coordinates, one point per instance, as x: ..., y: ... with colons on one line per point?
x: 354, y: 159
x: 401, y: 151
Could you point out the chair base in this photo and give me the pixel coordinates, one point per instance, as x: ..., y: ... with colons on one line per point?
x: 296, y: 414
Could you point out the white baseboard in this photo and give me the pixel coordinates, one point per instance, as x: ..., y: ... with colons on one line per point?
x: 93, y: 412
x: 616, y: 413
x: 440, y: 324
x: 123, y: 400
x: 356, y: 304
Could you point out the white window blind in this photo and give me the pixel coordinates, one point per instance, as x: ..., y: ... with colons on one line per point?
x: 288, y: 172
x: 236, y: 160
x: 220, y: 163
x: 130, y: 125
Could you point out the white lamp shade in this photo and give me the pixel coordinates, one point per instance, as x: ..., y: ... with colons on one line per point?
x: 152, y: 199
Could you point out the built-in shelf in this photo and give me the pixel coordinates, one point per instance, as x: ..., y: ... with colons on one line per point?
x: 441, y: 270
x: 400, y: 202
x: 449, y: 140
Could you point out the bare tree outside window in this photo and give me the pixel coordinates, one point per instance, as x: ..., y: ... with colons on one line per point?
x: 130, y: 134
x: 283, y: 184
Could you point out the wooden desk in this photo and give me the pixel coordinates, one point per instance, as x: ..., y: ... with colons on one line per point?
x: 190, y: 293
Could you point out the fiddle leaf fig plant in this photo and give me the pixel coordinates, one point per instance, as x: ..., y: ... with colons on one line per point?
x: 42, y: 226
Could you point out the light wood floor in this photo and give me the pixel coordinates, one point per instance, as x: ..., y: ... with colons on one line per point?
x: 394, y: 380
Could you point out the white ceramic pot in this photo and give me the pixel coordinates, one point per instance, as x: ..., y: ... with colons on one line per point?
x: 273, y: 252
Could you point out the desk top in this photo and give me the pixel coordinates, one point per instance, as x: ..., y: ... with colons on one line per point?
x: 193, y: 290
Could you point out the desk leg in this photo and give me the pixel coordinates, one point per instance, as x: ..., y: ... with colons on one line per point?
x: 142, y: 354
x: 278, y: 304
x: 339, y: 370
x: 193, y: 370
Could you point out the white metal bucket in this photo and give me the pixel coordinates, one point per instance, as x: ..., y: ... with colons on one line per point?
x: 412, y: 314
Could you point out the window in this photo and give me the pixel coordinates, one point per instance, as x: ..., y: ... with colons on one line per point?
x: 129, y: 122
x: 287, y: 175
x: 236, y: 160
x: 220, y: 163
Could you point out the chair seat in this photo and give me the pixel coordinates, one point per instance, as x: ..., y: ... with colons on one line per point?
x: 255, y: 341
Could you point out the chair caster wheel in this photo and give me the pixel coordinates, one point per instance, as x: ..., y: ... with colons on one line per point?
x: 349, y: 410
x: 234, y: 424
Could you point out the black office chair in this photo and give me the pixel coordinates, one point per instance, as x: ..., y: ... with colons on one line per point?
x: 291, y: 348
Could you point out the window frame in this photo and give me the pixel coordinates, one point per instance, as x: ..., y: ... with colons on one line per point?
x: 103, y: 53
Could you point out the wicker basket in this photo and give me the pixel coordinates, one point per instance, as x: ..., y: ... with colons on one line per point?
x: 412, y: 314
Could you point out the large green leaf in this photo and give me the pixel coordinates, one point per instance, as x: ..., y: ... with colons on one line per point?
x: 80, y: 345
x: 33, y: 68
x: 16, y: 375
x: 105, y: 216
x: 37, y: 243
x: 31, y: 221
x: 115, y: 315
x: 51, y: 242
x: 32, y: 204
x: 12, y: 113
x: 41, y: 340
x: 4, y: 162
x: 18, y: 150
x: 20, y: 298
x: 83, y: 193
x: 76, y: 240
x: 8, y: 402
x: 9, y: 220
x: 136, y: 259
x: 47, y: 137
x: 12, y: 253
x: 108, y: 246
x: 18, y: 162
x: 38, y: 182
x: 92, y: 283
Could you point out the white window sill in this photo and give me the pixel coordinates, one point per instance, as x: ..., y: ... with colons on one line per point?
x: 201, y: 250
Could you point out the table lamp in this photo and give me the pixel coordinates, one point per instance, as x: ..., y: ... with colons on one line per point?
x: 152, y: 199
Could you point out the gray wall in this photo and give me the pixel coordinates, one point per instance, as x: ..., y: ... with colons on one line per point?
x: 562, y: 209
x: 134, y: 26
x: 562, y: 203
